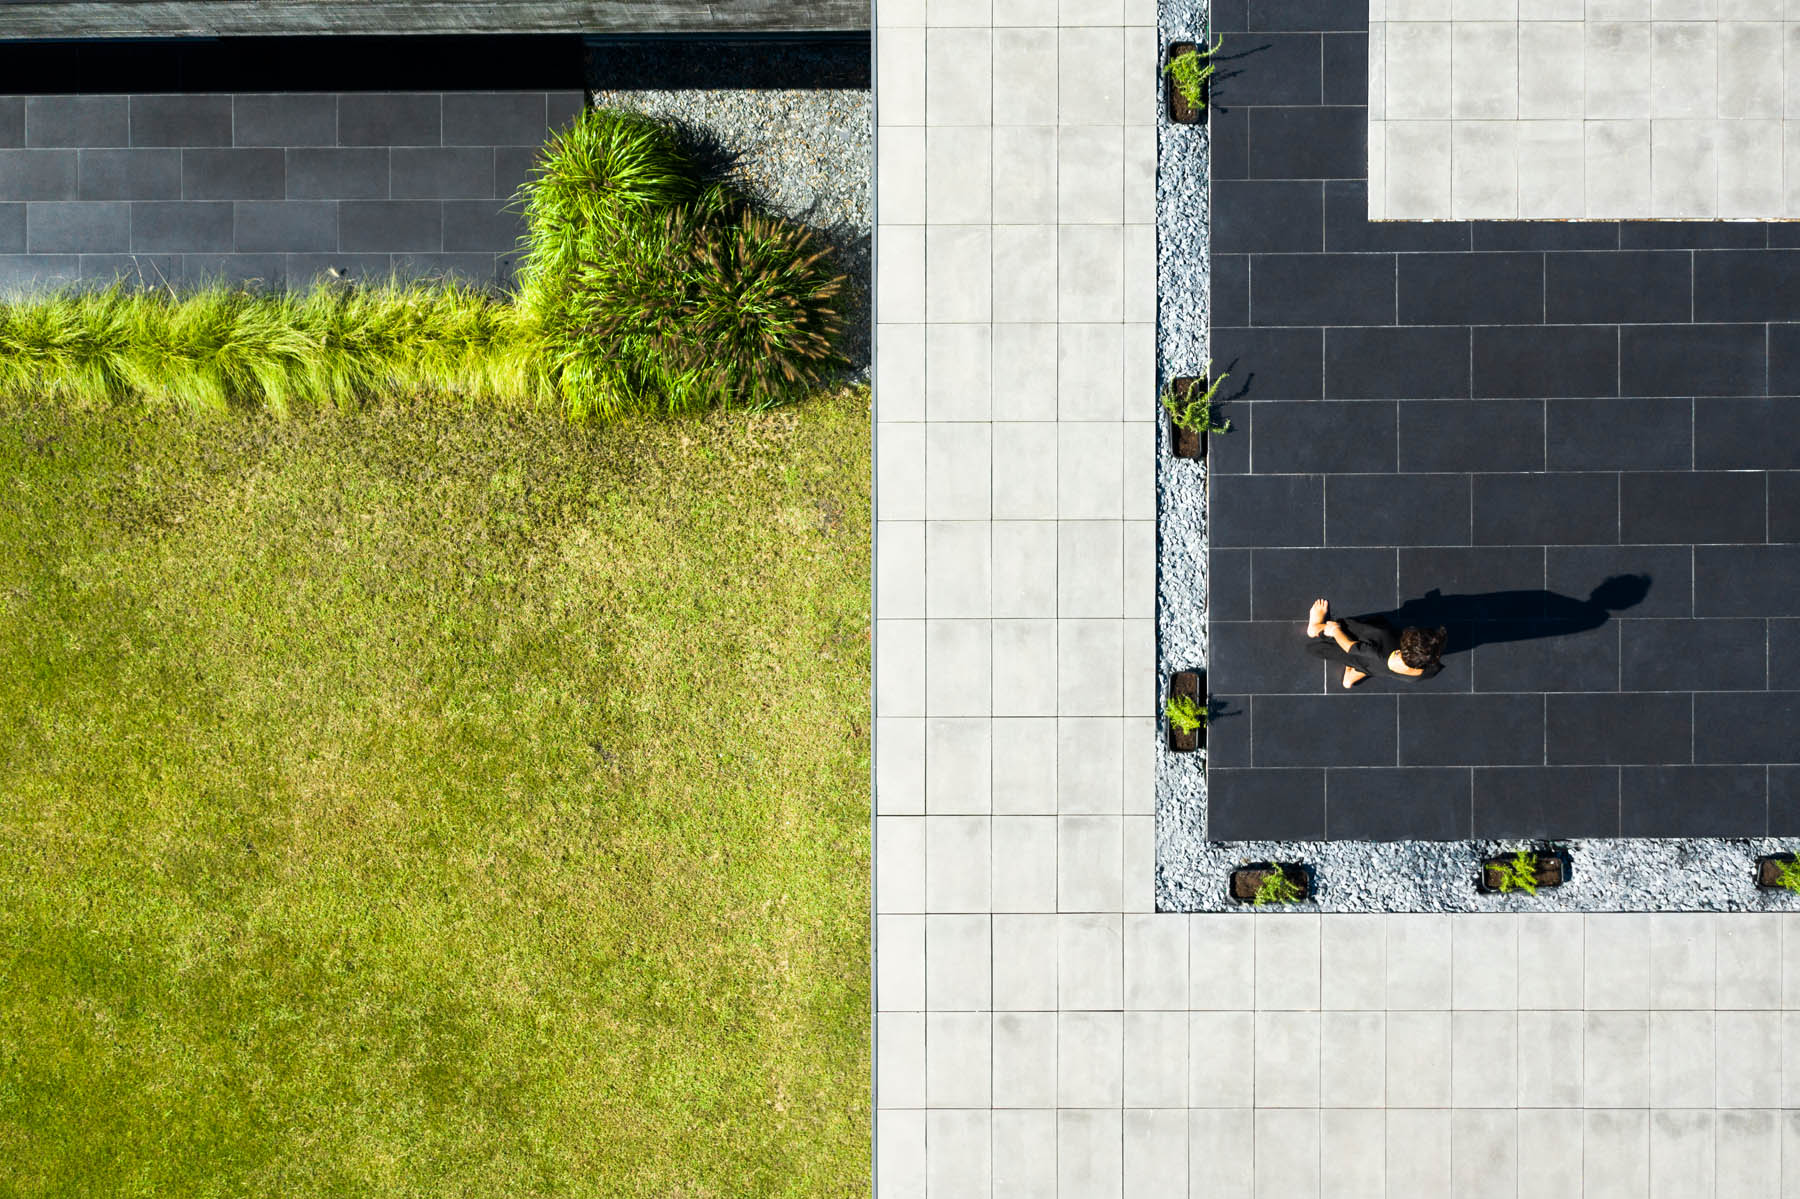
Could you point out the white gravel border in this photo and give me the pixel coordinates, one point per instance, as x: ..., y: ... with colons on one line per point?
x: 1185, y: 859
x: 1699, y: 874
x: 1183, y: 248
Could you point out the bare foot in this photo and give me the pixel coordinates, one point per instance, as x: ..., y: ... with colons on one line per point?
x: 1352, y: 677
x: 1315, y: 619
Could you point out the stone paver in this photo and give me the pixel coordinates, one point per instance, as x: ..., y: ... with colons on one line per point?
x: 1552, y: 109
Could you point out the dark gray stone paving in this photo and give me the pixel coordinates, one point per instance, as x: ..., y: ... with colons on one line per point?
x: 1575, y: 445
x: 279, y: 187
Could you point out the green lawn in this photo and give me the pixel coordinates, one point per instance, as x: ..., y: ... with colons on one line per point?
x: 434, y: 801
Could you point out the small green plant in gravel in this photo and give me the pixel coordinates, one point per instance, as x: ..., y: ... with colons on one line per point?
x: 1190, y: 70
x: 1186, y: 713
x: 223, y: 347
x: 1276, y: 887
x: 1787, y: 875
x: 1196, y: 413
x: 1517, y: 873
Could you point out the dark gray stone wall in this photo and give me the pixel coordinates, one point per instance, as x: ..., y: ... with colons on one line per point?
x: 276, y: 187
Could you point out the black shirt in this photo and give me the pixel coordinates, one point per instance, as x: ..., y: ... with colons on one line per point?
x: 1375, y: 641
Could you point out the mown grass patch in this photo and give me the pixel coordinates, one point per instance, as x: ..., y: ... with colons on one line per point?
x: 429, y: 799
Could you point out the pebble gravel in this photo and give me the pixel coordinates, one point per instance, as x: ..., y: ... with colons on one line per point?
x: 1701, y: 874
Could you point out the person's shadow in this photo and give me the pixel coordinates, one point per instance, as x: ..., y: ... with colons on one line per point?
x: 1492, y: 616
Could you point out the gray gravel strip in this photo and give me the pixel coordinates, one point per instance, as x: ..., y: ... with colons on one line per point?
x: 1183, y: 256
x: 1701, y: 874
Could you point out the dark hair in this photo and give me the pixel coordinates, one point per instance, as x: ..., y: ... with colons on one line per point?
x: 1420, y: 648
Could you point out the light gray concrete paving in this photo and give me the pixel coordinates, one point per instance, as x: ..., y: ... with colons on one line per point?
x: 1138, y: 1054
x: 1040, y: 1031
x: 1556, y: 109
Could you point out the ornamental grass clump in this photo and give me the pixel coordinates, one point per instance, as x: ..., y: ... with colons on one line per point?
x: 1517, y: 873
x: 654, y: 289
x: 1190, y: 70
x: 1195, y: 409
x: 1186, y: 713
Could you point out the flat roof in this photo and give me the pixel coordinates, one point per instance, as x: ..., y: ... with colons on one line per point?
x: 67, y: 19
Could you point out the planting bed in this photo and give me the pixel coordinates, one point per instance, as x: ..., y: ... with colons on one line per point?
x: 359, y: 841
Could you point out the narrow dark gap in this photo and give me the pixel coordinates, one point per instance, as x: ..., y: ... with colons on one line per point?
x: 794, y: 62
x: 449, y: 62
x: 446, y: 62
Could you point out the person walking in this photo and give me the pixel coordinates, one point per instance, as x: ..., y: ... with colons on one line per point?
x: 1365, y: 647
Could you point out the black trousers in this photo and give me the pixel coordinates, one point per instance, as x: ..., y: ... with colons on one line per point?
x: 1324, y: 647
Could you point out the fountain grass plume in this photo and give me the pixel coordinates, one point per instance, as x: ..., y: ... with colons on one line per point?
x: 221, y: 347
